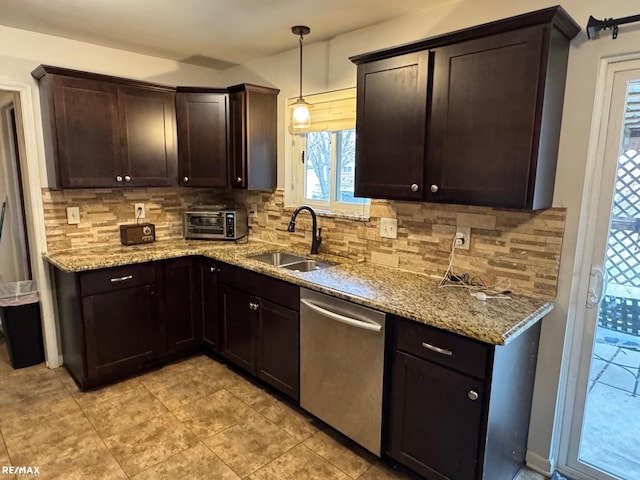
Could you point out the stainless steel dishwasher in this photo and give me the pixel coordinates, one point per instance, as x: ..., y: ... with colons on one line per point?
x: 341, y: 366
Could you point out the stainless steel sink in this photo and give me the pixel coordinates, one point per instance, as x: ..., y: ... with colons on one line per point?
x: 290, y: 261
x: 306, y: 266
x: 277, y: 258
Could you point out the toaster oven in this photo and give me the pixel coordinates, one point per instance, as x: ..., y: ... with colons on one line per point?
x: 211, y: 223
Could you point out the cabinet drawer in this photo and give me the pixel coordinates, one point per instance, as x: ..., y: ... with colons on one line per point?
x: 447, y: 349
x: 277, y: 291
x: 100, y: 281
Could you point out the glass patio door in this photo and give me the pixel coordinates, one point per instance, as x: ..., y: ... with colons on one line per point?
x: 605, y: 431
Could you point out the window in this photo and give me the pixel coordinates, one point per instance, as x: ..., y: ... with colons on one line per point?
x: 323, y: 170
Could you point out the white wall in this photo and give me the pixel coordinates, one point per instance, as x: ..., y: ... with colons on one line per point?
x: 584, y: 60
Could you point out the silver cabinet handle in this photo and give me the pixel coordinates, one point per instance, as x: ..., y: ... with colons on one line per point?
x: 434, y: 188
x: 414, y: 187
x: 433, y: 348
x: 472, y: 394
x: 373, y: 326
x: 121, y: 279
x: 212, y: 269
x: 118, y: 178
x: 253, y: 306
x: 238, y: 179
x: 185, y: 179
x: 127, y: 178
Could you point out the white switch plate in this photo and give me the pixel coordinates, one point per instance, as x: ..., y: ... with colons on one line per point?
x: 139, y: 207
x: 463, y: 236
x: 389, y: 227
x: 73, y: 215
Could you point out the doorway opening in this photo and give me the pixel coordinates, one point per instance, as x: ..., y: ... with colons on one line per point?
x: 15, y: 259
x: 599, y: 441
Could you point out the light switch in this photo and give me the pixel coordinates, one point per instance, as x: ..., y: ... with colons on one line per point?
x: 73, y: 215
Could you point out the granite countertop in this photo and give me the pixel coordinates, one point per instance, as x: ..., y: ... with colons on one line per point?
x: 407, y: 294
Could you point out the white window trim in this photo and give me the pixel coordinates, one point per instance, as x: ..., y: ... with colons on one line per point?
x: 334, y: 112
x: 330, y: 207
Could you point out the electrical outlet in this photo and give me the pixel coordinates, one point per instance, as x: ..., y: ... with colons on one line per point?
x: 73, y: 215
x: 463, y: 237
x: 139, y: 210
x: 389, y: 227
x: 254, y: 209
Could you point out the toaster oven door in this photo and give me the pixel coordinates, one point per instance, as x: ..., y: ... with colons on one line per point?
x: 205, y: 225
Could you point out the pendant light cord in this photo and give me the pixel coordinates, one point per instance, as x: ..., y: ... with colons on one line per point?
x: 301, y: 39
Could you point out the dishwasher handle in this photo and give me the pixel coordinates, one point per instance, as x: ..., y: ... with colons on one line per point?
x: 372, y: 326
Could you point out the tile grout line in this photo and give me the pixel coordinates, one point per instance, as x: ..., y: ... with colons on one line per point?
x: 84, y: 414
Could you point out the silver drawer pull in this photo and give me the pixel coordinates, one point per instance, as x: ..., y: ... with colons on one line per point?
x: 433, y: 348
x: 121, y: 279
x: 472, y: 394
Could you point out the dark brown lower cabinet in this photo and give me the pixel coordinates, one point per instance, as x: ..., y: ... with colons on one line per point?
x: 110, y: 326
x: 118, y: 341
x: 459, y: 409
x: 238, y: 329
x: 181, y: 297
x: 209, y: 304
x: 258, y: 335
x: 278, y: 347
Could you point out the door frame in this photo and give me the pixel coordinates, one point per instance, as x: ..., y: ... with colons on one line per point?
x: 32, y: 175
x: 581, y: 337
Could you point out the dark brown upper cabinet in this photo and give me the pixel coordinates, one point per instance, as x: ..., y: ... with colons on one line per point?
x: 492, y: 127
x: 104, y: 131
x: 253, y: 137
x: 392, y: 112
x: 203, y: 117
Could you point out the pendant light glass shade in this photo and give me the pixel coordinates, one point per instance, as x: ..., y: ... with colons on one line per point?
x: 300, y: 115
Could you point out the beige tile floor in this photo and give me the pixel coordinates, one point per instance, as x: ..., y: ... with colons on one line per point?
x: 195, y: 419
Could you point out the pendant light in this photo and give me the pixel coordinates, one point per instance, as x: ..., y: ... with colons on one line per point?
x: 300, y: 116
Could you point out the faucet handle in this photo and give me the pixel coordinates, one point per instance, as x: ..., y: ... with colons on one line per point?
x: 319, y: 233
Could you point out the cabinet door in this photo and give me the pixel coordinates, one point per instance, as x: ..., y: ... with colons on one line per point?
x: 202, y: 139
x: 181, y: 302
x: 278, y: 350
x: 121, y: 330
x: 238, y: 328
x: 253, y: 138
x: 209, y: 295
x: 148, y: 136
x: 391, y: 121
x: 86, y: 130
x: 484, y: 90
x: 435, y: 426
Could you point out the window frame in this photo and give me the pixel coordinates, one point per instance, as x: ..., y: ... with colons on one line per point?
x: 298, y: 181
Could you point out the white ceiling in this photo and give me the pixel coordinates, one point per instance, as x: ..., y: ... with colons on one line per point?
x: 214, y: 33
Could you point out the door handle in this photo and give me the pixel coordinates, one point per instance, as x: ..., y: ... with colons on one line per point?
x: 596, y: 286
x: 372, y: 326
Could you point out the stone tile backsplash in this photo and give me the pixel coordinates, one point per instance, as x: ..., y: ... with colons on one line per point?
x: 523, y: 247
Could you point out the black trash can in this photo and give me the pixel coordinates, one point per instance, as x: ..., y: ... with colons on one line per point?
x: 20, y: 315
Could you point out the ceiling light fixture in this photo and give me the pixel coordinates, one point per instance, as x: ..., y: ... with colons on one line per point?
x: 300, y: 116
